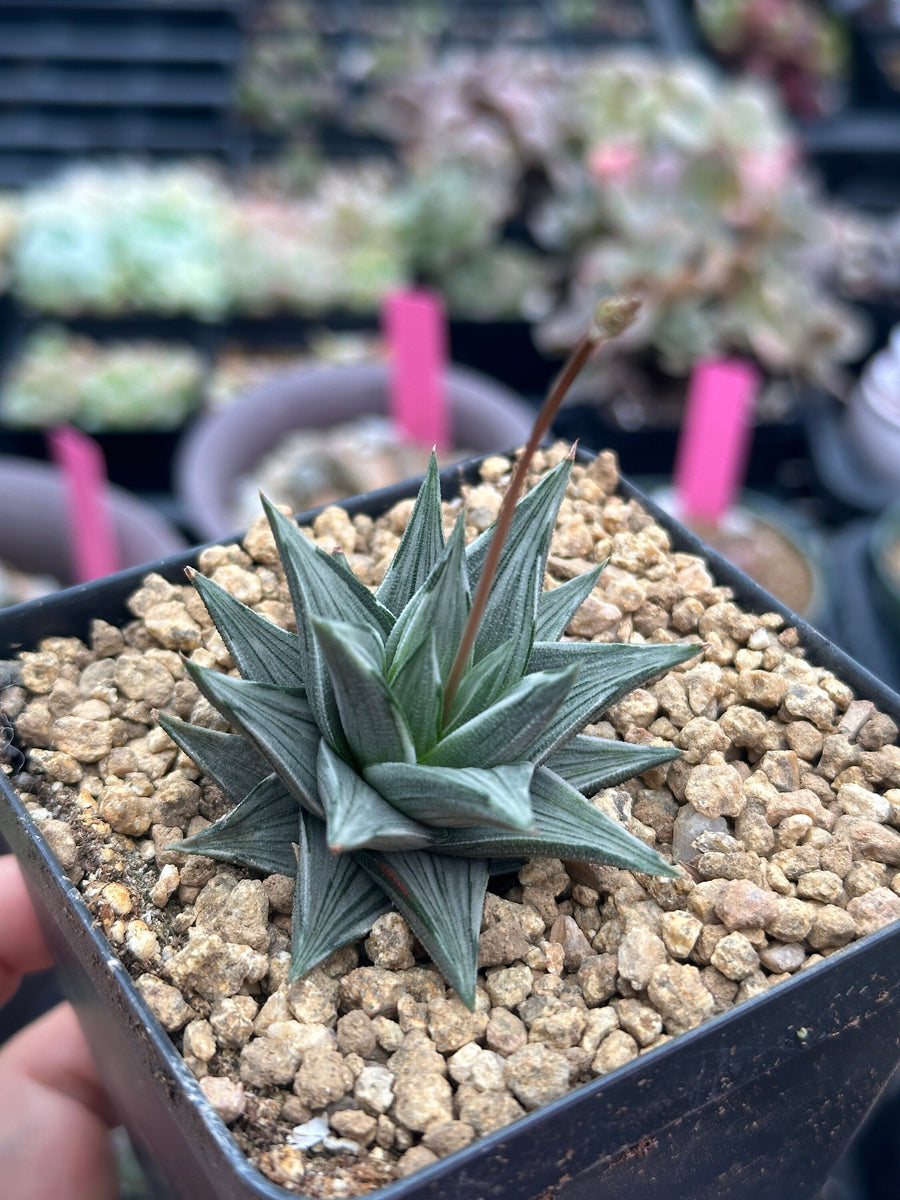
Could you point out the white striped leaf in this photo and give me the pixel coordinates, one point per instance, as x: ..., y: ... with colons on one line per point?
x: 557, y: 606
x: 419, y: 691
x: 372, y: 720
x: 589, y: 763
x: 440, y: 607
x: 609, y: 670
x: 502, y: 733
x: 481, y: 686
x: 261, y: 649
x: 229, y: 759
x: 357, y: 815
x: 277, y: 720
x: 568, y: 827
x: 335, y: 901
x: 453, y: 796
x: 442, y: 900
x: 259, y: 832
x: 420, y: 547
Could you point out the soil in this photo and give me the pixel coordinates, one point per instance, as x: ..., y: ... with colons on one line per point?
x: 783, y: 814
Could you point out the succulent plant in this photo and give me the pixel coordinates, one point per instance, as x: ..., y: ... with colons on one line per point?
x: 121, y: 386
x: 400, y: 745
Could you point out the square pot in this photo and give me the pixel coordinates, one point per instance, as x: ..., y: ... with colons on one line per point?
x: 760, y: 1100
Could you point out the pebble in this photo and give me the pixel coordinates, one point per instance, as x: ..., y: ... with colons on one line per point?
x: 536, y: 1074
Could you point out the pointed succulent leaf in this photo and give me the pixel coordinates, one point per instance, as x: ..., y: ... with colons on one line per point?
x: 229, y: 759
x: 259, y: 832
x: 452, y: 796
x: 502, y: 732
x: 589, y: 763
x: 262, y: 650
x: 608, y: 671
x: 558, y: 606
x: 481, y: 686
x: 419, y: 691
x: 321, y: 587
x: 372, y: 720
x: 420, y: 547
x: 278, y: 721
x: 567, y: 827
x: 319, y: 584
x: 335, y: 900
x: 357, y: 815
x: 442, y: 900
x: 441, y: 606
x: 512, y: 604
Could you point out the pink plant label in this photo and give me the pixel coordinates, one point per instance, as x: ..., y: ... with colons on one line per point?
x: 416, y: 330
x: 93, y: 543
x: 715, y: 437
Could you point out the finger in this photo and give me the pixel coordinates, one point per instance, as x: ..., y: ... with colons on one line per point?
x: 52, y: 1053
x: 22, y: 945
x: 54, y: 1119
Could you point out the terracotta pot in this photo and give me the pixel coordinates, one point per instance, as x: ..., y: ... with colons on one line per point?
x: 222, y: 446
x: 34, y: 535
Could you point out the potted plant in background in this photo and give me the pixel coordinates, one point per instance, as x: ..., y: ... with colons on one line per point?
x: 660, y: 964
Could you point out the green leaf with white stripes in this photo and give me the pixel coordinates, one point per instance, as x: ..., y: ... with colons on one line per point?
x: 557, y: 606
x: 278, y: 721
x: 502, y: 733
x: 420, y: 547
x: 372, y: 720
x: 335, y: 900
x: 608, y: 671
x: 567, y: 826
x: 442, y: 900
x: 259, y: 832
x: 230, y: 760
x: 589, y: 763
x: 418, y: 689
x: 356, y: 815
x: 261, y: 650
x: 439, y: 608
x: 451, y: 796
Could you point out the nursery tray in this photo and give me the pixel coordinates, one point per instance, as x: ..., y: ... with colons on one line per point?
x: 759, y: 1101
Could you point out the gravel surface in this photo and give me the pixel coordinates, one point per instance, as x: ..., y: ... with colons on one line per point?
x: 784, y: 811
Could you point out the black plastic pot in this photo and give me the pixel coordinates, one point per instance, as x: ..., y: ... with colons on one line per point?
x: 760, y: 1101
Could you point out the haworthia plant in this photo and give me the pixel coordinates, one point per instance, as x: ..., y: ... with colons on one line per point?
x: 351, y: 771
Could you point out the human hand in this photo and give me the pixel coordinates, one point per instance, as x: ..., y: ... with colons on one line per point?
x: 54, y: 1114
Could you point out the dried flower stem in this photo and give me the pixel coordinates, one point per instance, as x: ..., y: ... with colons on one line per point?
x: 611, y: 318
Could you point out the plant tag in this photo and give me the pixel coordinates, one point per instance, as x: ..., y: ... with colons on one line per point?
x: 415, y: 328
x: 93, y: 544
x: 715, y: 436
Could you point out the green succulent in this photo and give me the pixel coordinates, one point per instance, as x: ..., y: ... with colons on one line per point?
x: 355, y: 769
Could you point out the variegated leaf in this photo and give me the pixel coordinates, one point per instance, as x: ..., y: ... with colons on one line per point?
x: 608, y: 671
x: 357, y: 815
x: 335, y: 900
x: 568, y: 826
x: 230, y: 760
x: 557, y: 606
x: 452, y: 796
x: 502, y: 732
x: 589, y: 763
x: 259, y: 832
x: 442, y: 900
x: 372, y: 720
x: 420, y: 547
x: 277, y: 720
x: 261, y: 650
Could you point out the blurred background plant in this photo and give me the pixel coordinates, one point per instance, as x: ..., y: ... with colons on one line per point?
x: 63, y: 378
x: 803, y: 49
